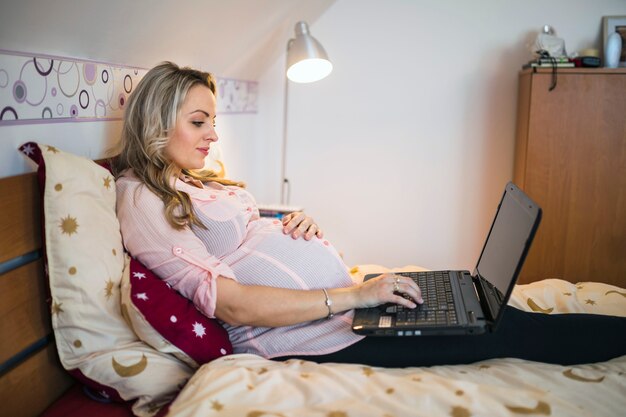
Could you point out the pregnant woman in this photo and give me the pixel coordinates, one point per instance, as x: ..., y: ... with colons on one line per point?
x: 279, y: 288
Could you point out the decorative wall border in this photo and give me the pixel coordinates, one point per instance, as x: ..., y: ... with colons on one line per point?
x: 42, y: 88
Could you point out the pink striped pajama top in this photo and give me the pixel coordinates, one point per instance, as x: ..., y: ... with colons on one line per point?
x: 240, y: 245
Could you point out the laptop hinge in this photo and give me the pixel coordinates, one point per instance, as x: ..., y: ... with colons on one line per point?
x: 483, y: 297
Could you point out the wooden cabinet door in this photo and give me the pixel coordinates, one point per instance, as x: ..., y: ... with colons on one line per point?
x: 573, y: 164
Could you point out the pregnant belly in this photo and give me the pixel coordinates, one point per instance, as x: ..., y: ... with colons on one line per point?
x: 269, y: 257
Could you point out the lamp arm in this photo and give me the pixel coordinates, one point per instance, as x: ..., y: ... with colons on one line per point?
x: 285, y: 189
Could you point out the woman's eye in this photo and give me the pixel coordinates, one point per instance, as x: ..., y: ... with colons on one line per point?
x: 197, y: 124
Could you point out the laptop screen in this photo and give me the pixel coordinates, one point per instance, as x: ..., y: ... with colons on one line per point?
x: 508, y: 242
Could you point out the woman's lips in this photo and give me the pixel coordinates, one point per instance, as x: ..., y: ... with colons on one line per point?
x: 205, y: 151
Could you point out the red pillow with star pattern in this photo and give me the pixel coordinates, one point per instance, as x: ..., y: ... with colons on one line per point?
x: 168, y: 321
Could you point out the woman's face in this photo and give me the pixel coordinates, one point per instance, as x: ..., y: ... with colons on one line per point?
x: 194, y: 132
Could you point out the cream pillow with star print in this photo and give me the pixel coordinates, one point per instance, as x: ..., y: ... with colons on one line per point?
x: 85, y: 262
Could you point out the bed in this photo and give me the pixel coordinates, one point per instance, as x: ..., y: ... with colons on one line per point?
x: 48, y: 367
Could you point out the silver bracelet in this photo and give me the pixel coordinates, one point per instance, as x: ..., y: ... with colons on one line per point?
x: 328, y: 303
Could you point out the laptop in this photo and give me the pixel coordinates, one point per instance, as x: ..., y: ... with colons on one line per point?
x: 460, y: 302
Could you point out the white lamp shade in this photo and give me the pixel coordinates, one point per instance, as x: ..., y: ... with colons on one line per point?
x: 309, y: 70
x: 307, y: 60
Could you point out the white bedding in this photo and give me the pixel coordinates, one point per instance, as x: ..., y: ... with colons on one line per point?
x: 250, y: 386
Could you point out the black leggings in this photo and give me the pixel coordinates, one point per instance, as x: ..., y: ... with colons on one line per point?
x: 563, y: 339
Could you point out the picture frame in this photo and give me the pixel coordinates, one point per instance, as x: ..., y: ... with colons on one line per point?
x: 617, y: 24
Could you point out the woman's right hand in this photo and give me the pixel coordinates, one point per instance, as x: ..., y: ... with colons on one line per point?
x: 388, y: 288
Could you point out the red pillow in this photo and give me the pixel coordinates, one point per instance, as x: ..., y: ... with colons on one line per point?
x: 168, y: 321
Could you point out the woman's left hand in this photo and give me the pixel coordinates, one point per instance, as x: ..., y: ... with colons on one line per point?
x: 299, y: 224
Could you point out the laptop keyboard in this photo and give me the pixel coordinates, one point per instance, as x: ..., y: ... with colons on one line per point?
x: 438, y: 308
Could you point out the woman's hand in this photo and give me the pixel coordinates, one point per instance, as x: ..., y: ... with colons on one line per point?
x: 299, y: 224
x: 388, y: 288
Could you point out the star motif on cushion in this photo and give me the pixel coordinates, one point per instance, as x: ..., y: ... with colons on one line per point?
x: 590, y: 302
x: 107, y: 182
x: 69, y: 225
x: 28, y: 149
x: 142, y: 296
x: 199, y: 330
x: 108, y: 289
x: 56, y: 308
x: 139, y: 275
x: 216, y: 405
x: 52, y: 149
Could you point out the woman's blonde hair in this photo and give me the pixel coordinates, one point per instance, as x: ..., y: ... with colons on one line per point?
x: 149, y: 119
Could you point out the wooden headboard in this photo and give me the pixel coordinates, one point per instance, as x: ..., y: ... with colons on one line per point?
x: 31, y: 376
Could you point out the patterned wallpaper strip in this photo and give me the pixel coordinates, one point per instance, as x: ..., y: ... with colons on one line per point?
x: 50, y: 89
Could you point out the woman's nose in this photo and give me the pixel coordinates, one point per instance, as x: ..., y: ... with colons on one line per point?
x: 212, y: 135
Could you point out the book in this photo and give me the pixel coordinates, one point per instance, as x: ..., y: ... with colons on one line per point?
x: 549, y: 65
x: 549, y: 60
x: 276, y: 210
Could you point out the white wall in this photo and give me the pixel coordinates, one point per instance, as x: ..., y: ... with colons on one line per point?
x: 402, y: 152
x: 232, y: 39
x: 420, y: 107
